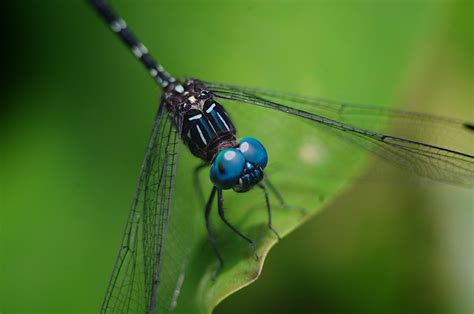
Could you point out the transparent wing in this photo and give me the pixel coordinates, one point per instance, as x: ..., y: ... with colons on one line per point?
x: 443, y: 132
x: 443, y: 159
x: 136, y: 275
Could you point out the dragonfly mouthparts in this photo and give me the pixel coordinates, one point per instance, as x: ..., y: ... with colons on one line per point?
x: 251, y: 176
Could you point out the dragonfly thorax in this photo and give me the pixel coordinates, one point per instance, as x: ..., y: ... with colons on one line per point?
x: 204, y: 125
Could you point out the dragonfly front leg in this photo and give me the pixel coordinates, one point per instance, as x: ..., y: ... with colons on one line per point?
x: 279, y: 198
x: 269, y: 209
x: 220, y: 207
x: 210, y: 233
x: 197, y: 182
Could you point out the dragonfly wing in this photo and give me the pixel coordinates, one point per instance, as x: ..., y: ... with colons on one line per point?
x: 411, y: 152
x: 445, y: 132
x: 136, y: 275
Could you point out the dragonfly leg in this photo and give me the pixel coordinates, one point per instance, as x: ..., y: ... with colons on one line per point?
x: 275, y: 192
x: 278, y: 196
x: 197, y: 183
x: 210, y: 233
x: 220, y: 207
x: 269, y: 209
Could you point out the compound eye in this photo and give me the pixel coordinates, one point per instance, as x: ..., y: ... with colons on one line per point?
x: 227, y: 168
x: 253, y: 151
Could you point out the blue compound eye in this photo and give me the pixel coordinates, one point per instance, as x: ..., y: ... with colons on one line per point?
x: 253, y: 151
x: 227, y: 168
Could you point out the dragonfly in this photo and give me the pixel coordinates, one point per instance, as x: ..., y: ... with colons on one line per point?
x: 190, y: 111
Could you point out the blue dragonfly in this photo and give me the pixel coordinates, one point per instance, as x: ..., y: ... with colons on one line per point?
x: 190, y: 111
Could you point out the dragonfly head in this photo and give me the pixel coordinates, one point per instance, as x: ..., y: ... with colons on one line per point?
x: 241, y: 167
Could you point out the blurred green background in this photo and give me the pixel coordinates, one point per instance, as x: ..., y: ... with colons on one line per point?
x: 77, y: 110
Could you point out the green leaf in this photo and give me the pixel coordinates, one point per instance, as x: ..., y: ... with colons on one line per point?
x: 295, y: 147
x: 76, y: 130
